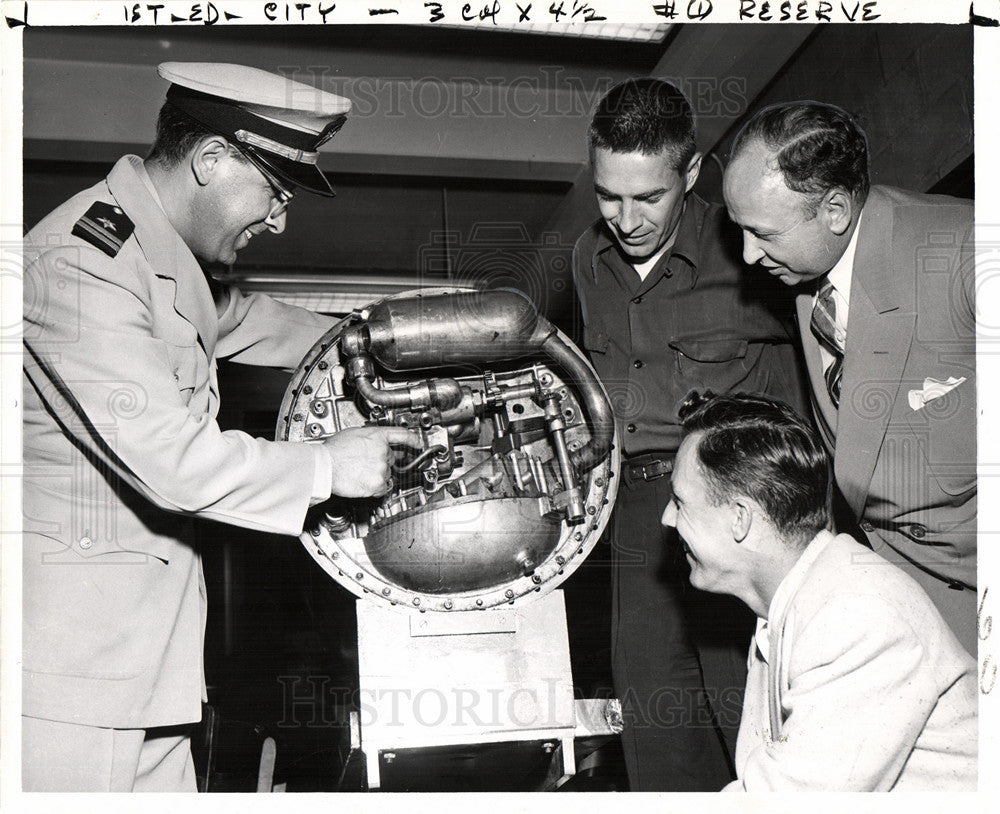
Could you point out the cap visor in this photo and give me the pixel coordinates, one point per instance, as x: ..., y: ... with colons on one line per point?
x: 301, y: 176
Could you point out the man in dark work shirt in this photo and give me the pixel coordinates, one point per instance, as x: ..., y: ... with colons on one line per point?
x: 667, y: 308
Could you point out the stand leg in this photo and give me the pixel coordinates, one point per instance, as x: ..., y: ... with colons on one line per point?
x: 371, y: 761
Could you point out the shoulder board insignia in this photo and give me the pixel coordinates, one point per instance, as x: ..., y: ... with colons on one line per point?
x: 105, y: 226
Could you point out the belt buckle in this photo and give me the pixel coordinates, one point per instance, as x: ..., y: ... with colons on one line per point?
x: 654, y: 470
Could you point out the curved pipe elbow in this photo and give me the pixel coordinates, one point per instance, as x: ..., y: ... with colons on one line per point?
x: 445, y: 394
x: 393, y: 399
x: 602, y: 420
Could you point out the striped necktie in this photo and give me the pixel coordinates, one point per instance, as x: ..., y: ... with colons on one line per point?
x: 824, y: 328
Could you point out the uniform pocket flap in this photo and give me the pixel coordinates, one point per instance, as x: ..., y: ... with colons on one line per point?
x: 82, y: 524
x: 183, y: 361
x: 712, y: 350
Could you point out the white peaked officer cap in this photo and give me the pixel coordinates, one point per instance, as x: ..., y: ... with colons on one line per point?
x: 273, y: 120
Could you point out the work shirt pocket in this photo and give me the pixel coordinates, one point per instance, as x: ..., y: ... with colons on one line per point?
x: 720, y: 365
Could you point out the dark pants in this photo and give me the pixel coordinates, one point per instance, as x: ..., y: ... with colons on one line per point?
x: 678, y: 654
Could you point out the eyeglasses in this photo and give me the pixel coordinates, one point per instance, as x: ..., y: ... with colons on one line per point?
x: 282, y: 196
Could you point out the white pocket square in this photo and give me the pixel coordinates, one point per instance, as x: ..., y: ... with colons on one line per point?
x: 933, y: 389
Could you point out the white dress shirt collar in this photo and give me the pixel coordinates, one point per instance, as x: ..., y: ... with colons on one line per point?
x: 840, y: 274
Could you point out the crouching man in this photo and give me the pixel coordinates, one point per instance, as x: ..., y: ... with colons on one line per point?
x: 855, y: 681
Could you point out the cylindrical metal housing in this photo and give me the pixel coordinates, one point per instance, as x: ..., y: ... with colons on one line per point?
x: 447, y: 329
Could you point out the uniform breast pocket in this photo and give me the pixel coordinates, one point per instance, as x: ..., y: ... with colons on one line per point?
x: 722, y: 365
x: 184, y: 367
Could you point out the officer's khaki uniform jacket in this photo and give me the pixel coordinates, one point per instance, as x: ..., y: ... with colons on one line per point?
x: 121, y: 450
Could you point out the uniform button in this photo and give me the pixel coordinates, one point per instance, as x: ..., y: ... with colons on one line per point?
x: 631, y: 428
x: 918, y: 531
x: 637, y: 364
x: 637, y: 300
x: 85, y: 543
x: 177, y: 376
x: 867, y: 527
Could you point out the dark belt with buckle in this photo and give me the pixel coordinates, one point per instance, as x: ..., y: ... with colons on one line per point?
x: 648, y: 467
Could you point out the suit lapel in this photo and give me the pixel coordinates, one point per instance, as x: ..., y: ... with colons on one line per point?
x: 167, y: 254
x: 776, y: 641
x: 781, y: 619
x: 879, y: 333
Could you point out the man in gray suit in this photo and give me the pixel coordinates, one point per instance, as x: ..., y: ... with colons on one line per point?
x: 887, y: 322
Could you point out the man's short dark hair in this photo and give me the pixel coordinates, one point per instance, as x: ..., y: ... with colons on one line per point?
x: 761, y: 448
x: 645, y: 116
x: 817, y: 146
x: 176, y: 135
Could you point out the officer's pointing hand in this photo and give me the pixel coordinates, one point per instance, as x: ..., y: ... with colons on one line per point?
x: 363, y: 456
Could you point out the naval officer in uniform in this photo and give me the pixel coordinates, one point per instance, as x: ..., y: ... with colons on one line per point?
x: 122, y: 330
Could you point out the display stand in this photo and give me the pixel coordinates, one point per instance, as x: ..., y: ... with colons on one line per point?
x: 444, y: 697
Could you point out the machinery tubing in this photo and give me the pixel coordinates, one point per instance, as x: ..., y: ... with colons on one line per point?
x: 602, y: 422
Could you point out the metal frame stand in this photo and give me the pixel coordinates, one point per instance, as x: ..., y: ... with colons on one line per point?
x: 432, y: 681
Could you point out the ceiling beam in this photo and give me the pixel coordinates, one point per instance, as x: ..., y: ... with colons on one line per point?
x: 520, y: 120
x: 722, y: 69
x: 436, y: 168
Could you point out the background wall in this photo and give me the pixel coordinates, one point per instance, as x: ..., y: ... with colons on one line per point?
x: 909, y: 88
x: 465, y: 155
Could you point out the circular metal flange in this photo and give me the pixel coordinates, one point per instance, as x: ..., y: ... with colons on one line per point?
x: 341, y: 550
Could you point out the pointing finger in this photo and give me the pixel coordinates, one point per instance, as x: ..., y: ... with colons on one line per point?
x: 401, y: 436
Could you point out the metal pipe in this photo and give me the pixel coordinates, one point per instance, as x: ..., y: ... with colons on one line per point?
x: 428, y: 453
x: 444, y: 394
x: 602, y: 420
x: 557, y: 427
x: 463, y: 327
